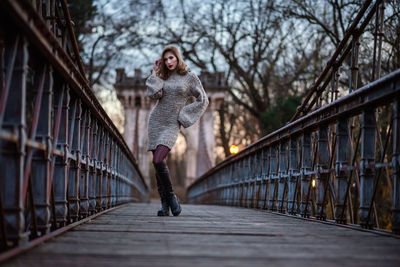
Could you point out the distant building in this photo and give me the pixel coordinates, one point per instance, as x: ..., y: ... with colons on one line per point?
x: 199, y: 137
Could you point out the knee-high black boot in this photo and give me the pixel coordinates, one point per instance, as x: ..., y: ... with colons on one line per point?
x: 164, y: 210
x: 163, y: 175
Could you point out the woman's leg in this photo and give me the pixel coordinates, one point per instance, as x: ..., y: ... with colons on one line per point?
x: 159, y: 155
x: 162, y: 173
x: 159, y: 162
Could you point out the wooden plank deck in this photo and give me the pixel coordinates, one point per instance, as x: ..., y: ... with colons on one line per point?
x: 210, y: 236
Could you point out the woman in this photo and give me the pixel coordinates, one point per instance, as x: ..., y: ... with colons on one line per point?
x: 172, y: 85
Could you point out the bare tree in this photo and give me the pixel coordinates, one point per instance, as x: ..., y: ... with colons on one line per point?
x: 268, y: 49
x: 392, y: 36
x: 108, y: 40
x: 252, y: 43
x: 331, y: 19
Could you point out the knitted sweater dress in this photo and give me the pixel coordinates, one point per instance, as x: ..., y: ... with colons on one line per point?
x: 171, y: 109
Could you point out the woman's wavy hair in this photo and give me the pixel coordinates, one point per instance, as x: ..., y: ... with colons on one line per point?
x: 181, y: 68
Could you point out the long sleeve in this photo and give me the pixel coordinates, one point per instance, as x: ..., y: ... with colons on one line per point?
x: 189, y: 114
x: 154, y: 87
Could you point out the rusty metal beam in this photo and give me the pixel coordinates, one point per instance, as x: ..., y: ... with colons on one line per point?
x: 73, y: 38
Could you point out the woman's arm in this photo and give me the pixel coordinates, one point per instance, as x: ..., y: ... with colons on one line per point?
x: 154, y: 87
x: 153, y: 83
x: 191, y: 113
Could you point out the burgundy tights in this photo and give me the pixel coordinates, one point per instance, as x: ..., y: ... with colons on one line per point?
x: 160, y: 153
x: 162, y: 173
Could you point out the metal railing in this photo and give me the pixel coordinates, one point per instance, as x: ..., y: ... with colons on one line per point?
x: 338, y: 162
x: 332, y: 147
x: 61, y: 157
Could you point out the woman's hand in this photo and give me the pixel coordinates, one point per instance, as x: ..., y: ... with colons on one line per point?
x: 156, y: 65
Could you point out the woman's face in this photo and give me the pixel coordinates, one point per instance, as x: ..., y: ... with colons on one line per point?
x: 170, y: 60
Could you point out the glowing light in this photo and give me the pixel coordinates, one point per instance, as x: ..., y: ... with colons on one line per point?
x: 313, y: 183
x: 233, y: 149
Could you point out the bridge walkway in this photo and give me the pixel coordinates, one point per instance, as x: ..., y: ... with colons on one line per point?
x: 210, y: 236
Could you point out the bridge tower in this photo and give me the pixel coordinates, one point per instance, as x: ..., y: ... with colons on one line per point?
x: 200, y: 140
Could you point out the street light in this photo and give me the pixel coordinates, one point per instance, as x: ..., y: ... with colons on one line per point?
x: 313, y: 183
x: 234, y: 149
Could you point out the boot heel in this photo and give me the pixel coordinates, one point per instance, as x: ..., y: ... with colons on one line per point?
x: 176, y: 213
x: 174, y: 205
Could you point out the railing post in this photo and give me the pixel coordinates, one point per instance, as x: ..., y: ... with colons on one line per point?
x: 112, y: 171
x: 219, y: 186
x: 241, y: 182
x: 83, y: 184
x: 367, y: 165
x: 12, y: 155
x: 236, y: 189
x: 122, y: 185
x: 306, y: 175
x: 254, y: 175
x: 105, y: 166
x: 225, y: 186
x: 118, y: 197
x: 273, y: 175
x: 121, y: 173
x: 75, y: 165
x: 264, y: 181
x: 222, y: 187
x: 60, y: 178
x: 246, y: 168
x: 396, y: 167
x: 252, y: 181
x: 249, y: 173
x: 212, y: 189
x: 342, y: 168
x: 322, y: 172
x: 100, y: 173
x: 3, y: 232
x: 283, y: 167
x: 93, y: 143
x: 231, y: 194
x: 40, y: 171
x: 230, y: 186
x: 293, y: 176
x: 259, y: 178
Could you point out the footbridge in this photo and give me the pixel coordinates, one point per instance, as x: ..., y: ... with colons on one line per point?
x: 324, y: 189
